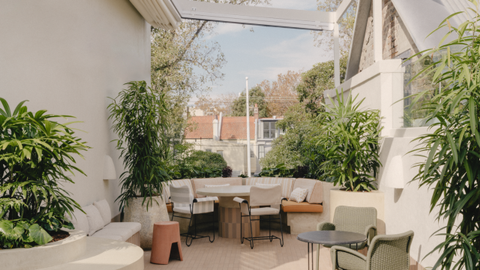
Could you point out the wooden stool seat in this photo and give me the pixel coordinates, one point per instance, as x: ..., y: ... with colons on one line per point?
x: 166, y: 242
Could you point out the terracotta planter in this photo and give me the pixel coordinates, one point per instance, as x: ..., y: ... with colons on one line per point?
x: 136, y: 212
x: 360, y: 199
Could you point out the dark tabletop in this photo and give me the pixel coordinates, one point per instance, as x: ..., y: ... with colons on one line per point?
x: 331, y: 237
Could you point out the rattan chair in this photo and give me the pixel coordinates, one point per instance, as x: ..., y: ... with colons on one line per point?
x: 184, y: 202
x: 390, y: 252
x: 264, y: 201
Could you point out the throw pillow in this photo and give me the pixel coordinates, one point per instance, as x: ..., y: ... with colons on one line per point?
x: 79, y: 221
x: 95, y: 220
x: 299, y: 194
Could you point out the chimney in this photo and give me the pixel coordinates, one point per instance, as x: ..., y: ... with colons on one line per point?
x: 255, y: 111
x: 215, y: 129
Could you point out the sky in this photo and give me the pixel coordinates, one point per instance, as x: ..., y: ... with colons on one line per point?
x: 265, y: 52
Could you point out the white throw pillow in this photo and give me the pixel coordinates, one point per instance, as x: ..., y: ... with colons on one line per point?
x: 95, y: 220
x: 299, y: 194
x: 104, y: 209
x: 79, y: 221
x: 224, y: 185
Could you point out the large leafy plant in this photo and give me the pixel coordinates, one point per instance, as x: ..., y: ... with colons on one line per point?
x: 139, y: 118
x: 350, y: 139
x: 451, y: 151
x: 36, y: 155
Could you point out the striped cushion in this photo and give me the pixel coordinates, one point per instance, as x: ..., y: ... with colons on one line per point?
x: 285, y: 183
x: 175, y: 183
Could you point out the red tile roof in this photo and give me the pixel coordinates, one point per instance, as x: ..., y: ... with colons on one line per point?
x: 200, y: 127
x: 232, y: 128
x: 235, y: 127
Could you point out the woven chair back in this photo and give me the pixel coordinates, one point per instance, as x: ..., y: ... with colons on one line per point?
x: 354, y: 219
x: 390, y: 252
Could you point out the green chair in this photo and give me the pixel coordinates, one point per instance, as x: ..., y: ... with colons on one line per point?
x: 352, y: 219
x: 390, y: 252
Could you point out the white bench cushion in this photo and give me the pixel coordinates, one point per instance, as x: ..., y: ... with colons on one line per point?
x: 108, y: 235
x: 104, y: 210
x: 131, y: 227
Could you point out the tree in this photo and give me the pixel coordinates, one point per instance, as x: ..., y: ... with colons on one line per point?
x: 183, y: 61
x: 256, y: 96
x: 296, y: 148
x: 281, y: 94
x: 316, y: 81
x: 345, y: 26
x: 221, y: 104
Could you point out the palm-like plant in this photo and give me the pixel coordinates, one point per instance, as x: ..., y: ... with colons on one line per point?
x: 452, y: 151
x: 350, y: 139
x: 139, y: 117
x: 36, y: 154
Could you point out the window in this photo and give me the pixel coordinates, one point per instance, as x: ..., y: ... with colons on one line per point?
x: 220, y: 152
x: 261, y: 151
x: 208, y: 150
x: 269, y: 130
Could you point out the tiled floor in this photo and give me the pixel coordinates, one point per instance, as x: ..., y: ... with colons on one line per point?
x: 230, y: 254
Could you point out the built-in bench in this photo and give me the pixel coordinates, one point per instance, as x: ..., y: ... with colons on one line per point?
x: 96, y: 222
x: 299, y: 216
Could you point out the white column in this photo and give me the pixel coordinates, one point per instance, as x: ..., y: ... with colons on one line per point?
x: 336, y: 55
x: 249, y: 170
x: 377, y: 30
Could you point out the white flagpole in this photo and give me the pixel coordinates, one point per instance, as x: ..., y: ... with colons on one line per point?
x: 248, y: 130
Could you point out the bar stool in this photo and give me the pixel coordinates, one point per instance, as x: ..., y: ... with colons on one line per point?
x: 166, y: 242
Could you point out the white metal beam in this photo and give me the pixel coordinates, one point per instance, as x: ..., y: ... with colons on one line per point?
x: 342, y: 9
x: 265, y: 16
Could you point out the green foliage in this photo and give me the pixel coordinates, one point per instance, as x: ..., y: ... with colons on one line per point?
x: 36, y: 156
x: 189, y: 163
x: 451, y: 152
x: 139, y: 119
x: 256, y: 96
x: 280, y: 170
x: 297, y: 149
x: 350, y: 139
x: 315, y: 81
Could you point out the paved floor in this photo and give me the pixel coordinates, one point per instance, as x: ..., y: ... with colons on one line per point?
x: 230, y: 254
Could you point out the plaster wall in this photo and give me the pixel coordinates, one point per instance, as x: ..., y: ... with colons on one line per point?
x: 407, y: 206
x: 67, y: 57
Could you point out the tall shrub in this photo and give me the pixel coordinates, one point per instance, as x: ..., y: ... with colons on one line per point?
x: 350, y: 139
x: 451, y: 152
x: 139, y: 119
x: 36, y: 156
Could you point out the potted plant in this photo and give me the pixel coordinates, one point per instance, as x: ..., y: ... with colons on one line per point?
x: 451, y: 151
x: 350, y: 138
x: 139, y: 119
x: 36, y: 156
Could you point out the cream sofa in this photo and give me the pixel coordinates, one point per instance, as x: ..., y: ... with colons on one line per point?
x: 96, y: 222
x: 300, y: 217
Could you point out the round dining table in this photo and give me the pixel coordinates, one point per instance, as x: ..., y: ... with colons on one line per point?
x: 229, y: 211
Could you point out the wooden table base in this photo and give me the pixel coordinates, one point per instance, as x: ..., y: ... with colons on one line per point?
x: 229, y: 223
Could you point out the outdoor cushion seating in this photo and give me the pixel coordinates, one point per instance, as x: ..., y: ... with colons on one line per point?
x: 297, y: 214
x: 184, y: 202
x: 385, y: 252
x: 264, y: 201
x: 96, y: 222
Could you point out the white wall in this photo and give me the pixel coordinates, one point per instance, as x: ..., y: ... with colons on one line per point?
x: 381, y: 85
x: 68, y: 56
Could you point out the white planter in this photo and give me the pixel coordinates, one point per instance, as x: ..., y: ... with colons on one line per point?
x: 136, y: 212
x: 48, y: 255
x: 374, y: 199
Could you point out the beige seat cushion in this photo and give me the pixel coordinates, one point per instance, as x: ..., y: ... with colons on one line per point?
x: 315, y: 189
x: 303, y: 207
